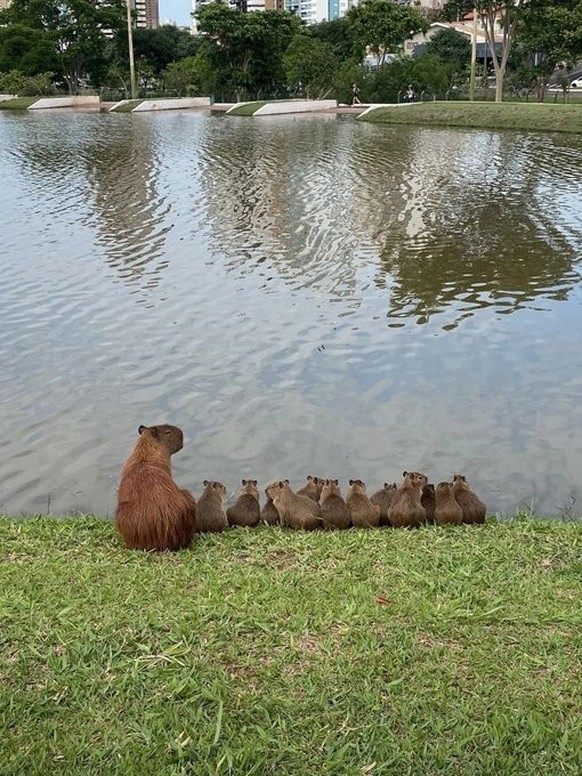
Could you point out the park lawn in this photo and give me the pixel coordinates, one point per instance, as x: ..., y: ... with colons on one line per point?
x: 542, y: 117
x: 18, y: 103
x: 247, y: 109
x: 438, y: 651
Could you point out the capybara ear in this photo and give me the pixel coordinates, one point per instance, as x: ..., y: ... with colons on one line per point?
x: 336, y: 482
x: 404, y: 474
x: 244, y: 482
x: 286, y: 482
x: 141, y: 429
x: 281, y: 484
x: 386, y: 485
x: 309, y: 478
x: 255, y: 483
x: 205, y: 483
x: 351, y: 482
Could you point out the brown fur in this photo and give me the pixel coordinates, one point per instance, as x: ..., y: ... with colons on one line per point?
x: 153, y: 513
x: 295, y: 511
x: 210, y: 517
x: 363, y: 514
x: 474, y: 510
x: 246, y: 510
x: 428, y: 501
x: 383, y: 499
x: 333, y: 507
x: 312, y: 488
x: 446, y: 508
x: 406, y: 508
x: 269, y: 514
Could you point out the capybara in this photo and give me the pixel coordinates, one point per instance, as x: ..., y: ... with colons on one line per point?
x: 153, y: 513
x: 333, y: 507
x: 269, y: 514
x: 363, y: 514
x: 210, y: 517
x: 295, y: 511
x: 383, y: 498
x: 446, y: 508
x: 246, y: 510
x: 406, y: 508
x: 428, y: 501
x: 312, y: 488
x: 474, y: 510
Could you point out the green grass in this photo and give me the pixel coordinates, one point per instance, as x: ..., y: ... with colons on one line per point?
x: 247, y: 110
x: 438, y: 651
x: 506, y: 115
x: 18, y: 103
x: 127, y: 107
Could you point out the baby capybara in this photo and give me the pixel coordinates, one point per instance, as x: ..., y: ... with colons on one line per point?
x: 474, y: 510
x: 363, y: 514
x: 153, y: 513
x: 333, y: 507
x: 210, y: 517
x: 406, y: 509
x: 246, y: 511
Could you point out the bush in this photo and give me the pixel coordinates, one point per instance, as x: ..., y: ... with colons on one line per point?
x: 15, y: 82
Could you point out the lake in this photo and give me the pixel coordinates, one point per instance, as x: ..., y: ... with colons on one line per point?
x: 301, y: 294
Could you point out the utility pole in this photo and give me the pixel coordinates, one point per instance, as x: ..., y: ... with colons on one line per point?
x: 132, y: 84
x: 473, y: 57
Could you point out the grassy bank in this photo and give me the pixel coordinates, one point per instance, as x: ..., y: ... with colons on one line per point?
x: 18, y: 103
x: 248, y: 109
x: 437, y: 651
x: 126, y: 107
x: 486, y: 115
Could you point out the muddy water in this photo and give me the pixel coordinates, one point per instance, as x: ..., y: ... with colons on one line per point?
x: 300, y: 294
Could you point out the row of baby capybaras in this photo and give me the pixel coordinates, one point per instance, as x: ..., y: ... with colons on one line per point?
x: 154, y: 513
x: 319, y: 503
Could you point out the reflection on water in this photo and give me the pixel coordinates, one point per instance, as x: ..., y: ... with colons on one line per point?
x: 298, y: 293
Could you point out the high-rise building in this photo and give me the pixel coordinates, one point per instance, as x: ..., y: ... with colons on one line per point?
x: 147, y: 13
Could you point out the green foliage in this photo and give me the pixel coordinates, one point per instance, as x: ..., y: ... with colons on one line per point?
x: 190, y: 77
x: 75, y: 31
x: 27, y: 50
x: 383, y: 26
x: 346, y: 75
x: 268, y: 651
x: 340, y: 35
x: 246, y: 50
x: 38, y: 85
x: 162, y: 46
x: 451, y: 48
x: 312, y: 63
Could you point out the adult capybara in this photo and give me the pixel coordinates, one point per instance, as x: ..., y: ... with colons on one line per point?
x: 428, y: 501
x: 153, y: 513
x: 295, y: 511
x: 363, y: 514
x: 246, y: 511
x: 312, y: 488
x: 210, y: 517
x: 446, y: 510
x: 474, y: 510
x: 383, y: 498
x: 406, y: 509
x: 333, y: 508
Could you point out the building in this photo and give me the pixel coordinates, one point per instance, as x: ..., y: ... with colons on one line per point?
x: 416, y: 44
x: 4, y: 4
x: 147, y: 13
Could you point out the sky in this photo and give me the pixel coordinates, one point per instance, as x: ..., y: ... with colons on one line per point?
x: 177, y: 11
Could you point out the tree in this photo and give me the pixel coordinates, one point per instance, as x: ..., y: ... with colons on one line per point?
x: 247, y: 49
x: 339, y: 34
x: 383, y: 26
x: 76, y: 31
x: 547, y: 37
x: 450, y: 47
x: 189, y: 77
x: 27, y: 50
x: 312, y: 63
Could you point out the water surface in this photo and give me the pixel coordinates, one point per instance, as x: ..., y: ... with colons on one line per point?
x: 299, y: 294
